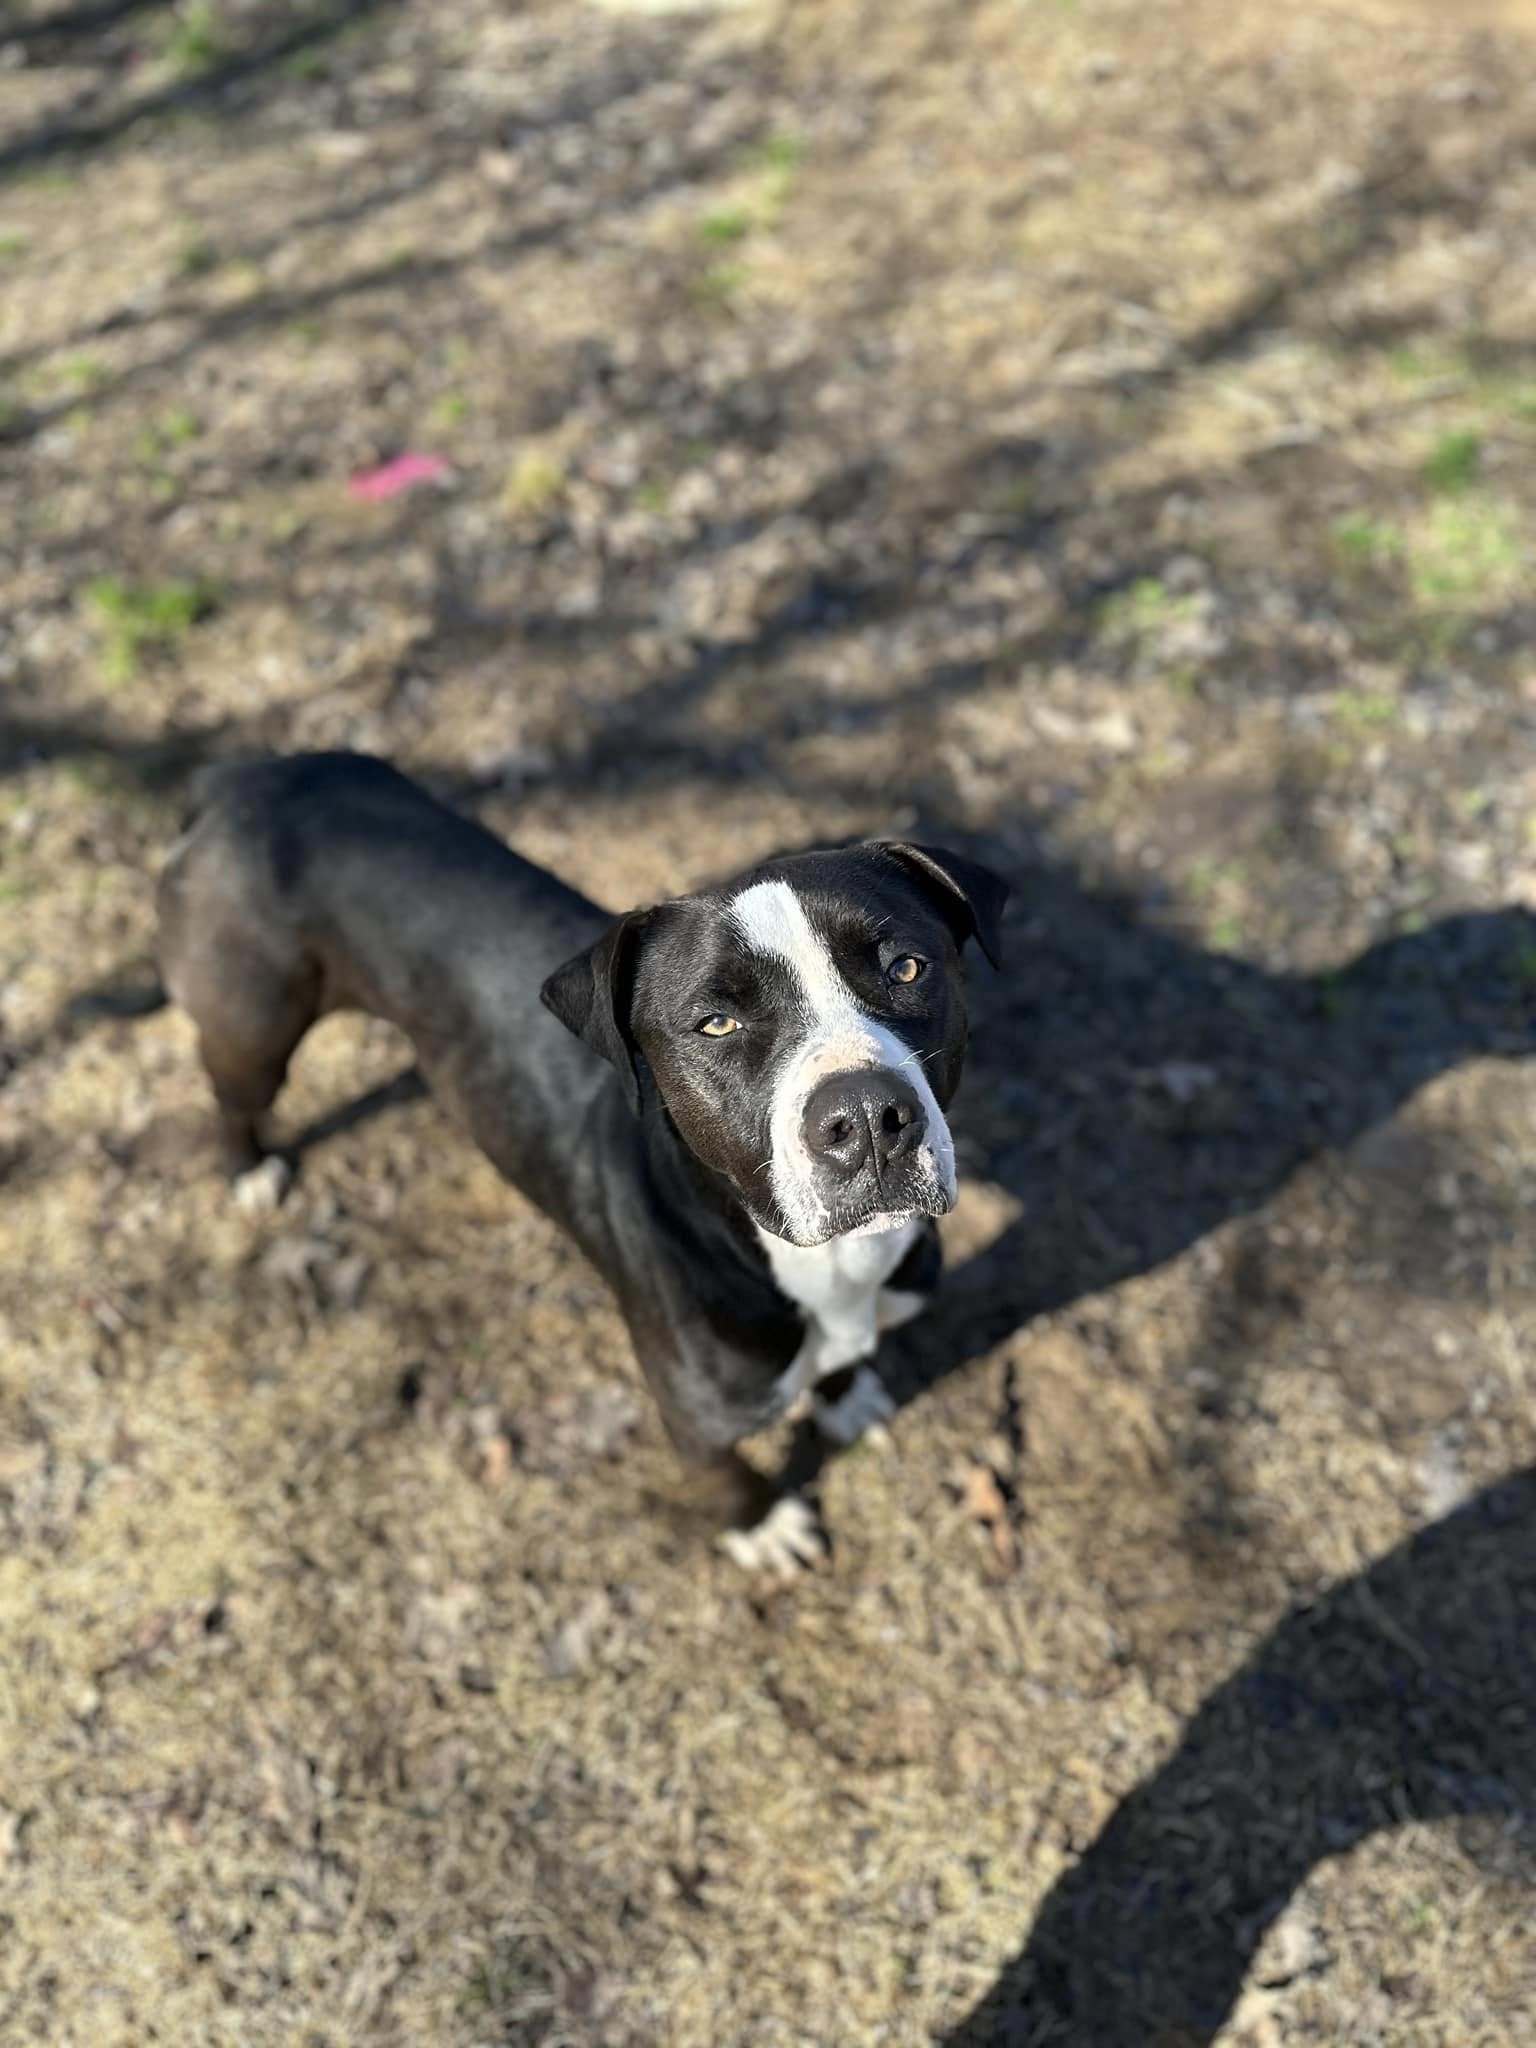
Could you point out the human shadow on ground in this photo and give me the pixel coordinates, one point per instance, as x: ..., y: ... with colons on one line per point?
x: 1405, y: 1693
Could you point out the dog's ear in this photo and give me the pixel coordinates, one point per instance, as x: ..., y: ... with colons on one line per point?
x: 591, y: 995
x: 968, y: 896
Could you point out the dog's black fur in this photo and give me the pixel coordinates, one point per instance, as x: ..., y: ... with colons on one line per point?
x: 329, y: 881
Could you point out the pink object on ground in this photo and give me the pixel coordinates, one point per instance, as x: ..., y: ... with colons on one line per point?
x: 391, y: 478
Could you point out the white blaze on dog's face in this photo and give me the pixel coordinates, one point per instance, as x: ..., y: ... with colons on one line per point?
x: 805, y: 1029
x: 855, y: 1060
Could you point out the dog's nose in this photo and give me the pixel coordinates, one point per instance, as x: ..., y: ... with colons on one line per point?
x: 853, y: 1120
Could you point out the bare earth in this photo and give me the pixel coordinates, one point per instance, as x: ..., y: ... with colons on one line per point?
x: 1094, y: 434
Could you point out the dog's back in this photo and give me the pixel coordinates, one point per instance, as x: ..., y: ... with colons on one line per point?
x: 330, y: 881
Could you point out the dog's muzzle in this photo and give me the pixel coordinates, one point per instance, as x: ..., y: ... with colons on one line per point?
x: 865, y: 1136
x: 861, y: 1123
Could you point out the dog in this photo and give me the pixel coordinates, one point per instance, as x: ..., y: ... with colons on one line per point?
x: 733, y: 1101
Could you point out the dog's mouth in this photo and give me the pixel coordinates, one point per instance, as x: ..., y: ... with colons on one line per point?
x: 870, y: 1218
x: 859, y: 1143
x: 880, y: 1221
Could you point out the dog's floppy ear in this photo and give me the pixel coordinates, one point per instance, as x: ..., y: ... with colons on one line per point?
x: 969, y: 896
x: 590, y: 995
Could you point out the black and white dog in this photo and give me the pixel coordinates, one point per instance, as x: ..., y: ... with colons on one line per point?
x: 756, y: 1170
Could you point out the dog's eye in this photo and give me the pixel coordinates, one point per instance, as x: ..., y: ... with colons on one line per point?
x: 905, y: 970
x: 719, y: 1025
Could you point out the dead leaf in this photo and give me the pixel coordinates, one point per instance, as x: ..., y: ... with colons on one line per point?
x: 496, y: 1461
x: 983, y: 1499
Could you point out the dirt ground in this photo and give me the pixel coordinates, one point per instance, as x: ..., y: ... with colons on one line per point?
x: 1095, y: 435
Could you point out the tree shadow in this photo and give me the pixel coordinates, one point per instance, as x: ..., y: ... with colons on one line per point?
x: 73, y: 136
x: 1403, y: 1694
x: 544, y: 218
x: 43, y: 31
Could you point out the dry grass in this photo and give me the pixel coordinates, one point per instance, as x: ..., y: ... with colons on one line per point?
x: 1063, y: 469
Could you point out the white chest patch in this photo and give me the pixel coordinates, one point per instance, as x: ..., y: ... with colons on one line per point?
x: 837, y: 1287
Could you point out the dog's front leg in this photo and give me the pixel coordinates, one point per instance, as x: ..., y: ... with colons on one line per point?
x: 850, y: 1403
x: 758, y: 1524
x: 766, y: 1530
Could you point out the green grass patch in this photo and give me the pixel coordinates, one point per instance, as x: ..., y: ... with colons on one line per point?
x: 1143, y: 609
x: 13, y: 243
x: 1209, y: 877
x: 780, y: 158
x: 1467, y: 553
x: 82, y: 373
x: 135, y: 619
x: 1453, y: 464
x: 721, y: 285
x: 451, y: 410
x: 1493, y: 387
x: 725, y: 226
x: 781, y: 152
x: 1474, y: 803
x: 173, y: 429
x: 772, y: 166
x: 1365, y: 711
x: 1366, y: 543
x: 1464, y: 552
x: 1426, y: 361
x: 195, y: 40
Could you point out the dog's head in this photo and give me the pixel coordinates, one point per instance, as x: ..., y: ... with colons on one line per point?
x: 804, y: 1027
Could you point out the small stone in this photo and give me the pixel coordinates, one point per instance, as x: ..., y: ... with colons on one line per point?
x: 346, y: 1279
x: 569, y: 1650
x: 1184, y: 1080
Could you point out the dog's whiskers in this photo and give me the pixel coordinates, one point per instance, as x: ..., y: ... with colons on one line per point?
x: 918, y: 1059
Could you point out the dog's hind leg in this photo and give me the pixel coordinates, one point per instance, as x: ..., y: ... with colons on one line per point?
x: 249, y: 1024
x: 244, y: 980
x: 251, y: 1011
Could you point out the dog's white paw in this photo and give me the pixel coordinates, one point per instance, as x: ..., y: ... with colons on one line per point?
x: 259, y: 1192
x: 785, y: 1542
x: 863, y: 1410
